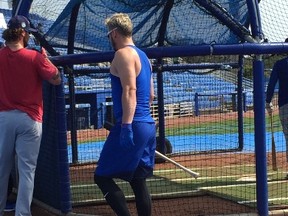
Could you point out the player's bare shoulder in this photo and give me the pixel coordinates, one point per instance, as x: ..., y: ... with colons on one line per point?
x: 125, y: 55
x: 126, y: 52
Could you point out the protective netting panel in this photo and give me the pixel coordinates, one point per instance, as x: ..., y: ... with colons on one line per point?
x: 195, y: 141
x: 148, y: 18
x: 47, y: 178
x: 53, y: 165
x: 277, y: 188
x: 202, y: 125
x: 207, y: 143
x: 274, y: 18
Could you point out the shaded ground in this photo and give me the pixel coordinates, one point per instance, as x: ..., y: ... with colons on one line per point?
x: 191, y: 206
x: 186, y: 206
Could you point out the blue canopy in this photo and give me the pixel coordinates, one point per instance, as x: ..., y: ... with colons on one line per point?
x: 79, y: 24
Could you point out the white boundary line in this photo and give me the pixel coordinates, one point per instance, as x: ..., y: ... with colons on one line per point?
x: 132, y: 196
x: 241, y: 185
x: 187, y: 179
x: 254, y: 201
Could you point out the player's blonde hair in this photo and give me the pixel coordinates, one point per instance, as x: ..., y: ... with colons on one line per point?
x: 122, y: 22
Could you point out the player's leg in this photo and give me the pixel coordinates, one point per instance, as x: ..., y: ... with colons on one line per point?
x: 142, y: 196
x: 113, y: 161
x: 7, y: 137
x: 145, y: 134
x: 113, y: 195
x: 27, y: 150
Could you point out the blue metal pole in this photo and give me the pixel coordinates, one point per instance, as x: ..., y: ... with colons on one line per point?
x: 196, y: 104
x: 161, y: 115
x: 23, y: 8
x: 260, y: 142
x: 179, y: 51
x: 255, y: 18
x: 259, y: 113
x: 240, y: 102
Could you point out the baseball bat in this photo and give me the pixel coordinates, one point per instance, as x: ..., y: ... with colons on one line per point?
x: 109, y: 125
x: 194, y: 174
x: 273, y: 146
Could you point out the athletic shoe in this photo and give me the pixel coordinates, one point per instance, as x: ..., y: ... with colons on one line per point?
x: 10, y: 206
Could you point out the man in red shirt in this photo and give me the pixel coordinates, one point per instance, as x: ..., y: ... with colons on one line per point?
x: 22, y: 72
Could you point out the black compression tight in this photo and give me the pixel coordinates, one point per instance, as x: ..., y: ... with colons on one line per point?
x: 113, y: 195
x: 142, y: 197
x: 116, y: 199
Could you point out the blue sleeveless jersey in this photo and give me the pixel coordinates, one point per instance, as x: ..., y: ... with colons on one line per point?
x: 142, y: 112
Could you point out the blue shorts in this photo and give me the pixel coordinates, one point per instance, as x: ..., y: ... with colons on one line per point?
x: 138, y: 162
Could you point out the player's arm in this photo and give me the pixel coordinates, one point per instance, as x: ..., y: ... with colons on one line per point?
x: 125, y: 64
x: 56, y: 79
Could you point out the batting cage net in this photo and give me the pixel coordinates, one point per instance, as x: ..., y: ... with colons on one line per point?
x: 210, y: 118
x: 149, y: 19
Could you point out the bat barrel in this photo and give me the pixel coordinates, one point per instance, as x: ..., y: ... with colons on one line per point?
x: 194, y: 174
